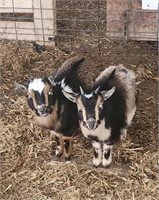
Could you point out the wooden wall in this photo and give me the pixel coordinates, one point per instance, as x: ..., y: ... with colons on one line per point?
x: 40, y: 28
x: 128, y: 19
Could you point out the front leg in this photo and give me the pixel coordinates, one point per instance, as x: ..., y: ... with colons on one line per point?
x: 123, y: 134
x: 97, y: 159
x: 107, y: 155
x: 67, y: 147
x: 59, y: 143
x: 59, y: 146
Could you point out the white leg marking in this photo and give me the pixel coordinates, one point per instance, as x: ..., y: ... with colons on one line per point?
x: 107, y: 155
x: 97, y: 159
x: 130, y: 115
x: 123, y: 135
x: 58, y: 151
x: 53, y: 133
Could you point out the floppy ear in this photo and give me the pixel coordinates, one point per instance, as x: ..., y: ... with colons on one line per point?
x: 22, y: 87
x: 68, y: 92
x: 108, y: 93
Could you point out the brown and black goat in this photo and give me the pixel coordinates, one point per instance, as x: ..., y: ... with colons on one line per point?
x: 106, y: 110
x: 52, y: 110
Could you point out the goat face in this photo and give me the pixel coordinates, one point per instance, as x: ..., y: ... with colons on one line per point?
x: 90, y: 105
x: 90, y: 109
x: 40, y: 96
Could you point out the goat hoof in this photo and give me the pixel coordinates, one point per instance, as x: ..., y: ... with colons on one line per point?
x: 96, y: 162
x: 106, y: 166
x: 96, y: 166
x: 106, y: 163
x: 58, y: 155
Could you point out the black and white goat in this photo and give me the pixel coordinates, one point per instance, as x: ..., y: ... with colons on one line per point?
x: 52, y: 109
x: 106, y: 110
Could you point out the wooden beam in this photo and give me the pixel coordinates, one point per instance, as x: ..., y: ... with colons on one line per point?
x: 44, y: 14
x: 116, y: 14
x: 142, y: 23
x: 7, y: 30
x: 20, y: 6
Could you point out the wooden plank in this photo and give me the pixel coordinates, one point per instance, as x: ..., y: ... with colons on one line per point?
x: 43, y: 27
x: 44, y: 14
x: 20, y: 6
x: 7, y: 30
x: 142, y: 23
x: 116, y: 11
x: 143, y: 26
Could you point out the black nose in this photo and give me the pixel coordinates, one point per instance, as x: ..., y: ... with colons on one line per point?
x: 91, y: 123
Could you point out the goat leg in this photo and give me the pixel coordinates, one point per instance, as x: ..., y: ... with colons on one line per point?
x: 97, y: 159
x: 67, y: 147
x: 107, y: 155
x: 59, y: 147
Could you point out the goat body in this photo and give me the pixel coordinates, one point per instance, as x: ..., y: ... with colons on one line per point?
x: 52, y: 110
x: 106, y: 110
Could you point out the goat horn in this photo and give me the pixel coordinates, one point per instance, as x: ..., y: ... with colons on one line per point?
x: 68, y: 64
x: 81, y: 90
x: 97, y: 90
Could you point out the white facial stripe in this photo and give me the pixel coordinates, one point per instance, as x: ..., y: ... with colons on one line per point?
x: 79, y: 104
x: 99, y: 101
x: 37, y: 85
x: 88, y: 96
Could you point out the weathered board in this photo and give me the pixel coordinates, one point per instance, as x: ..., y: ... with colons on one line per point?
x: 132, y: 19
x: 142, y: 22
x: 116, y: 14
x: 19, y: 6
x: 41, y: 28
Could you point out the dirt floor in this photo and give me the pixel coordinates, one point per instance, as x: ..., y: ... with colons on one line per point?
x: 28, y: 169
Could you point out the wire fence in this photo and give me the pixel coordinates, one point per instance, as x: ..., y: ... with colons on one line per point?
x: 76, y: 24
x: 95, y: 23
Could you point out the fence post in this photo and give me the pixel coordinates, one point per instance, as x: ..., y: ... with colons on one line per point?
x: 44, y: 20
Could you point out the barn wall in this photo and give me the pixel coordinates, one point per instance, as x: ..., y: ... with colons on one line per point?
x: 30, y: 20
x: 129, y: 19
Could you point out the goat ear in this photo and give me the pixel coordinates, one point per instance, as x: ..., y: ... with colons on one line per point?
x: 22, y: 87
x: 97, y: 90
x: 108, y: 93
x: 51, y: 79
x: 68, y: 92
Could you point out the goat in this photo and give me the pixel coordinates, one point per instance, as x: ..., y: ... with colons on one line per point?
x: 52, y: 110
x: 105, y: 110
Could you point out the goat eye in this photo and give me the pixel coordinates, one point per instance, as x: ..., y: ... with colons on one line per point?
x: 50, y: 93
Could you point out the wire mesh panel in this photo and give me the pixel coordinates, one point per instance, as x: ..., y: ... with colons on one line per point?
x: 96, y: 22
x: 32, y: 20
x: 142, y: 21
x: 79, y: 23
x: 81, y: 20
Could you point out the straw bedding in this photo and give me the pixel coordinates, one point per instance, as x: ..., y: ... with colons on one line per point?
x: 29, y: 170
